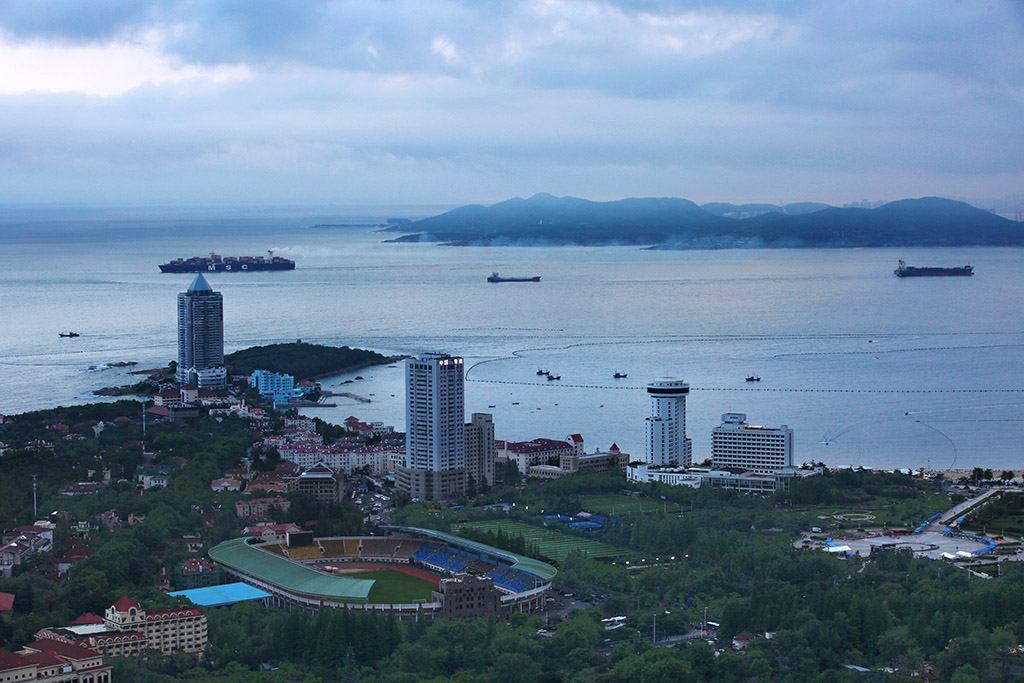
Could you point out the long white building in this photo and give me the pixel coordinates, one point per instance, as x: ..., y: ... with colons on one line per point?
x: 666, y: 444
x: 765, y: 450
x: 435, y: 441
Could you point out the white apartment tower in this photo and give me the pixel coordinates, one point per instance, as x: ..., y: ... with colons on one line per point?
x: 765, y: 450
x: 201, y: 336
x: 666, y: 444
x: 435, y: 441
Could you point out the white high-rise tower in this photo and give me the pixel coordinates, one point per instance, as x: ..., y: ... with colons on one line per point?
x: 435, y: 441
x: 666, y: 443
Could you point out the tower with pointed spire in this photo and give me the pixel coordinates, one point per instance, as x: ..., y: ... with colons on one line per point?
x: 201, y: 336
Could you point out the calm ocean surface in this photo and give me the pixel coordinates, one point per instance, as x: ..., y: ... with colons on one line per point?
x: 868, y: 369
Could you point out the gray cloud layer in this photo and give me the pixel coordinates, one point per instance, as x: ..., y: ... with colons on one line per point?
x: 417, y: 101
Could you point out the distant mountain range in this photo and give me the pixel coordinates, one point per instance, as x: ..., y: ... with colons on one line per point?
x: 670, y: 223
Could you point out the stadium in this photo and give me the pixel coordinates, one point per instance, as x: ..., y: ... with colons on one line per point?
x: 407, y: 573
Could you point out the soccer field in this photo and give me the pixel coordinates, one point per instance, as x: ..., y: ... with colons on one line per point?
x: 618, y: 507
x: 391, y: 586
x: 553, y: 544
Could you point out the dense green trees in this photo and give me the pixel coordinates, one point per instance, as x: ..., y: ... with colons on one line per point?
x: 301, y: 360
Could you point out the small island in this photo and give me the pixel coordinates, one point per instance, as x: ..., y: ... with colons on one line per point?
x: 303, y: 361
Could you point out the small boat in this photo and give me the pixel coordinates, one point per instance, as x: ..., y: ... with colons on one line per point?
x: 541, y: 371
x: 620, y: 375
x: 515, y: 403
x: 753, y: 378
x: 491, y: 406
x: 69, y: 334
x: 551, y: 377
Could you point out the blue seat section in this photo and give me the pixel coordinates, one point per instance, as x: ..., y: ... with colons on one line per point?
x: 512, y: 579
x: 443, y: 557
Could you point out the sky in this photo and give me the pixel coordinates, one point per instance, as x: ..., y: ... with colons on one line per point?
x: 448, y: 102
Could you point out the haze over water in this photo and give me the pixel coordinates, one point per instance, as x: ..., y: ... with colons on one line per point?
x: 867, y: 368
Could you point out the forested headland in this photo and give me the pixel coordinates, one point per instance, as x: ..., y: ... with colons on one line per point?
x: 302, y: 360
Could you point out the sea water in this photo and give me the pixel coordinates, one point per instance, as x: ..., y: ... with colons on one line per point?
x: 868, y: 369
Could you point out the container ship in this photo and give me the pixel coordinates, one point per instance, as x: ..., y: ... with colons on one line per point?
x: 903, y: 270
x: 494, y: 277
x: 215, y: 263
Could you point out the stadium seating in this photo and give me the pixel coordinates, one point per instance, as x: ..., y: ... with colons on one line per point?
x: 377, y: 549
x: 512, y: 579
x: 311, y: 552
x: 481, y: 567
x: 337, y: 548
x: 443, y: 557
x: 406, y: 548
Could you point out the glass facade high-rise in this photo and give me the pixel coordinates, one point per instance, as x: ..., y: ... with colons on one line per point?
x: 201, y: 336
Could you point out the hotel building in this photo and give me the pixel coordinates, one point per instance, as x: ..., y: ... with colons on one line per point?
x: 765, y: 450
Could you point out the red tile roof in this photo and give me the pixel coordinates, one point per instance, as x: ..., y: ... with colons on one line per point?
x: 66, y: 650
x: 9, y: 661
x: 125, y: 603
x: 6, y: 602
x: 87, y: 618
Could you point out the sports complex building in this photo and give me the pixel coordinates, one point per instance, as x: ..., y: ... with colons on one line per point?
x: 411, y: 572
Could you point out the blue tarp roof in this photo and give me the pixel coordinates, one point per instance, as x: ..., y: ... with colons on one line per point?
x: 226, y: 594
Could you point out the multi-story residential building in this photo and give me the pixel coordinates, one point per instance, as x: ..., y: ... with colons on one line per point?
x: 201, y: 336
x: 526, y: 454
x: 480, y: 449
x: 56, y: 662
x: 278, y: 387
x: 127, y: 630
x: 612, y: 459
x: 320, y: 481
x: 765, y: 450
x: 261, y: 508
x: 197, y: 572
x: 435, y: 451
x: 666, y: 444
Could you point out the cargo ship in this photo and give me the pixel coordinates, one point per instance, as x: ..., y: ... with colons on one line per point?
x: 903, y: 270
x: 215, y: 263
x: 497, y: 278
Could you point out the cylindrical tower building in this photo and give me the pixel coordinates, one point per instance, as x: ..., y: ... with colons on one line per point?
x: 666, y: 443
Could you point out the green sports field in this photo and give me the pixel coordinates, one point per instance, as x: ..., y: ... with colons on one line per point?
x: 553, y: 544
x: 394, y: 587
x: 619, y: 507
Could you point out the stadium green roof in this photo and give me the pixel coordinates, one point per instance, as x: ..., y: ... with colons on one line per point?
x: 289, y: 575
x: 542, y: 569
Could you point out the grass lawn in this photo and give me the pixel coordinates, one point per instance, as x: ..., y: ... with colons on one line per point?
x: 553, y: 544
x: 391, y: 586
x: 619, y: 507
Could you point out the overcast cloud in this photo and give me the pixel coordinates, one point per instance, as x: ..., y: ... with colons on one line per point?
x: 446, y: 102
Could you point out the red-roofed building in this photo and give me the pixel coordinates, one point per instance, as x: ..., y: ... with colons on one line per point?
x: 126, y: 630
x: 50, y: 660
x: 271, y: 533
x: 6, y: 603
x: 525, y: 454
